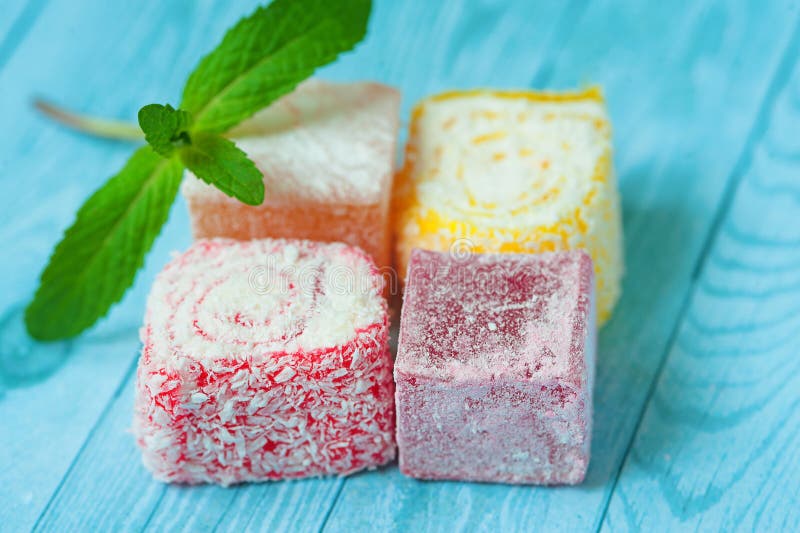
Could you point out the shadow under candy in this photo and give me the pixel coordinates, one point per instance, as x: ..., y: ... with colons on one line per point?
x: 25, y: 361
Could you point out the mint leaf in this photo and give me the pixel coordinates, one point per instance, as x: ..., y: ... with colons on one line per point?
x: 97, y: 260
x: 219, y: 162
x: 266, y: 55
x: 263, y: 57
x: 164, y: 127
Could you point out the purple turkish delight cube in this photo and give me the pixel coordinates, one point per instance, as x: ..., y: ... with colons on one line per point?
x: 495, y: 367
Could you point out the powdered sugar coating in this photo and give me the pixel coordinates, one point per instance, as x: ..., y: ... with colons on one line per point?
x: 490, y: 315
x: 245, y: 381
x: 495, y: 367
x: 327, y: 154
x: 328, y: 142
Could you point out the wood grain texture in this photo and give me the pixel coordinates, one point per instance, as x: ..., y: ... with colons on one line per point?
x: 98, y: 482
x: 681, y: 123
x: 107, y: 57
x: 17, y: 18
x: 717, y: 447
x: 685, y: 83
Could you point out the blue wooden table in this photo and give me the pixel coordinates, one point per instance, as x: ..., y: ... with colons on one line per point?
x: 697, y: 422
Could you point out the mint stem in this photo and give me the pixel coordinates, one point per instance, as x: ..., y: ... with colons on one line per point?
x: 89, y: 125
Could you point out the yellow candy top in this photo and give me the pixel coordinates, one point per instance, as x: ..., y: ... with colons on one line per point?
x: 506, y: 159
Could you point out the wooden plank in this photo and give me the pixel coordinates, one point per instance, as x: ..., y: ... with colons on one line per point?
x: 684, y: 82
x: 18, y: 18
x: 425, y: 47
x: 286, y: 506
x: 716, y: 449
x: 52, y: 394
x: 419, y: 52
x: 95, y: 504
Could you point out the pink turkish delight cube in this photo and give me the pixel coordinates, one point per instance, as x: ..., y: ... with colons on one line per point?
x: 495, y: 367
x: 265, y: 360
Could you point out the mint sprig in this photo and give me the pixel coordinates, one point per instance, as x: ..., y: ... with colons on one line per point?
x: 165, y: 128
x: 263, y: 57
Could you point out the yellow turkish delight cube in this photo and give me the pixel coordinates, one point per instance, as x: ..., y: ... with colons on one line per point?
x: 512, y: 171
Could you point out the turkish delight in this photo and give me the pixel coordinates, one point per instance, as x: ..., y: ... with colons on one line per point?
x: 495, y: 367
x: 513, y: 171
x: 327, y: 152
x: 265, y: 360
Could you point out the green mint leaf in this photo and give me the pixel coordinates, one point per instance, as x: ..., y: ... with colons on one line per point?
x: 99, y: 255
x: 263, y: 57
x: 266, y: 55
x: 219, y: 162
x: 164, y: 127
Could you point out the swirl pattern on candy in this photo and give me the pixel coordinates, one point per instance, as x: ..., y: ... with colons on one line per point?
x: 265, y: 360
x: 327, y: 152
x: 513, y: 172
x: 495, y: 367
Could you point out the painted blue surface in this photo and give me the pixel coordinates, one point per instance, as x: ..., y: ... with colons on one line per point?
x: 698, y: 381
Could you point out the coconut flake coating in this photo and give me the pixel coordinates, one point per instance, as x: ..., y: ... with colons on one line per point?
x: 495, y: 367
x: 265, y: 360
